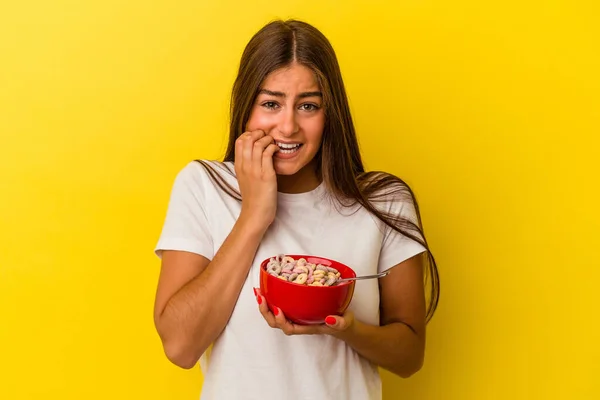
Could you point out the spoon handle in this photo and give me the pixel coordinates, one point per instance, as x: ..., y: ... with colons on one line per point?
x: 381, y: 274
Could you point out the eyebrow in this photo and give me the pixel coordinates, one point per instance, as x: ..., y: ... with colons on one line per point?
x: 281, y: 94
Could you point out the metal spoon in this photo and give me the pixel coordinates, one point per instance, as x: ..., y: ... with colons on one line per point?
x: 381, y: 274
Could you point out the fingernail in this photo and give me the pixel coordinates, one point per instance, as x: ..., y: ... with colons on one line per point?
x: 259, y: 299
x: 330, y: 321
x: 276, y: 311
x: 254, y: 291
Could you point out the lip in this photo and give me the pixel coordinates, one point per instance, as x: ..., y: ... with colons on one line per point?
x: 286, y: 156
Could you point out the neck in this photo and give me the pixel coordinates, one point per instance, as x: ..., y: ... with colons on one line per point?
x: 302, y: 181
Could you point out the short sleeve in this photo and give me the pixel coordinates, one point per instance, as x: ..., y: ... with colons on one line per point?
x: 186, y: 226
x: 397, y: 247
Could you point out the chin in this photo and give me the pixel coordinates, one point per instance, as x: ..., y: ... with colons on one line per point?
x: 290, y: 167
x: 286, y: 170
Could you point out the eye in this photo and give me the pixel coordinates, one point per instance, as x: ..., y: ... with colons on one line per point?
x: 269, y: 105
x: 309, y: 107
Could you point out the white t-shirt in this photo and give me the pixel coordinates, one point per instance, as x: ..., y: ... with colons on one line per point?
x: 250, y: 360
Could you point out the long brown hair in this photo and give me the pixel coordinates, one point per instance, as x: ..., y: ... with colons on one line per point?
x: 338, y: 161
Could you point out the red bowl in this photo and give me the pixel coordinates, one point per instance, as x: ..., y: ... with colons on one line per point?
x: 307, y: 305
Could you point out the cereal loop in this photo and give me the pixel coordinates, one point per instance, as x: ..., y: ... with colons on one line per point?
x: 301, y: 279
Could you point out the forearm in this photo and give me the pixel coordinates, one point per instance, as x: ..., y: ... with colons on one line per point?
x: 197, y: 314
x: 395, y: 346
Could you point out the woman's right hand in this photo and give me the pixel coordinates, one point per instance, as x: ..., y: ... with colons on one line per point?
x: 256, y: 177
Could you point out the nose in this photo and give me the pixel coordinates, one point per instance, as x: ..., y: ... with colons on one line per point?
x: 287, y: 124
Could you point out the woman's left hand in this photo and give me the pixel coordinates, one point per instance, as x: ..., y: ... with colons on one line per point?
x: 335, y: 325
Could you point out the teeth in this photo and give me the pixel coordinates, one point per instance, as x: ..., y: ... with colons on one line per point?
x: 288, y: 146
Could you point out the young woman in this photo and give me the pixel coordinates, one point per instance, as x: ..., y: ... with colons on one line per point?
x: 292, y: 182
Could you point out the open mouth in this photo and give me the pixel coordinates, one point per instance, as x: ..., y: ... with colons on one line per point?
x: 289, y: 148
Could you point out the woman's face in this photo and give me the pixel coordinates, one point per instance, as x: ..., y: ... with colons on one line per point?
x: 289, y: 107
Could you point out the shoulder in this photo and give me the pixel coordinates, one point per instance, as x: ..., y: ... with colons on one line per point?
x: 384, y: 187
x: 199, y: 178
x: 202, y: 168
x: 390, y: 195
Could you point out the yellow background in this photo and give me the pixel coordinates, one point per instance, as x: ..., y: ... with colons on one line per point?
x: 490, y: 110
